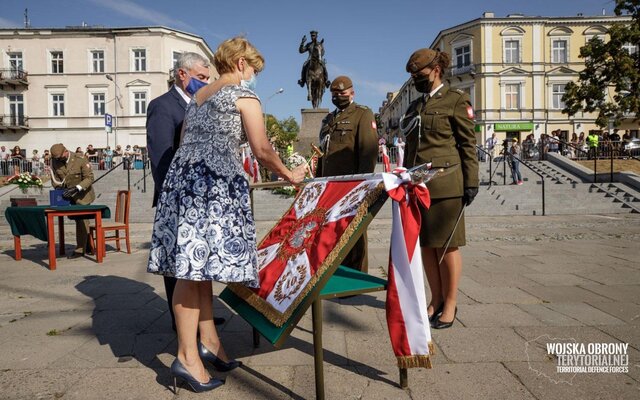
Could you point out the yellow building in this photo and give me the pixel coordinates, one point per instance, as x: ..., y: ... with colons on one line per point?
x: 56, y: 85
x: 515, y: 70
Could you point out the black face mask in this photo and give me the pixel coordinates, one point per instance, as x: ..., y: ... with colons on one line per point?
x: 423, y: 84
x: 340, y: 101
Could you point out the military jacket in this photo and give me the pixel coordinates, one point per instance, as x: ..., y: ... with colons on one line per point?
x: 446, y: 138
x: 349, y: 140
x: 77, y: 171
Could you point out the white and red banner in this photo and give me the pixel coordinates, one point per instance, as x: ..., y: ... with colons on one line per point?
x: 250, y: 164
x: 306, y: 242
x: 385, y: 158
x: 406, y: 304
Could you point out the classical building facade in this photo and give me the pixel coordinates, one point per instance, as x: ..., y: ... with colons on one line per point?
x: 56, y: 85
x: 515, y: 70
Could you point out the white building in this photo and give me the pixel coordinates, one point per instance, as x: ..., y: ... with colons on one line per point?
x: 57, y: 84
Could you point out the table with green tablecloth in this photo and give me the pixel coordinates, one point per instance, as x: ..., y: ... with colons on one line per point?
x: 37, y: 221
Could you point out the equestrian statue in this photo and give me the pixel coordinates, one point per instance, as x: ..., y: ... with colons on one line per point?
x: 314, y: 70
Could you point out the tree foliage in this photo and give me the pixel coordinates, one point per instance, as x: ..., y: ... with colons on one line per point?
x: 282, y: 132
x: 610, y: 81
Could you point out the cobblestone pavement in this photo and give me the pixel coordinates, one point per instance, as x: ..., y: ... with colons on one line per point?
x: 101, y: 331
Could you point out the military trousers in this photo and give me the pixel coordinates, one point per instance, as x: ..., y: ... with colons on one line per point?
x: 82, y: 235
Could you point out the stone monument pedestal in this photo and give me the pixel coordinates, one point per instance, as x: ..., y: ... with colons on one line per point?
x: 310, y: 129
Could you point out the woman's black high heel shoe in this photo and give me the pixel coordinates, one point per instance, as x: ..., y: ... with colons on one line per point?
x: 179, y: 371
x: 218, y: 364
x: 436, y: 313
x: 443, y: 325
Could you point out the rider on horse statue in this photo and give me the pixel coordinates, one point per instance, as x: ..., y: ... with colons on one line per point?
x: 310, y: 48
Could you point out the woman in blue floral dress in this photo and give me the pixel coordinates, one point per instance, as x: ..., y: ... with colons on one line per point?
x: 204, y: 229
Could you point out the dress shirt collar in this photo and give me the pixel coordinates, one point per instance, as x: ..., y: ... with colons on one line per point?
x: 185, y: 96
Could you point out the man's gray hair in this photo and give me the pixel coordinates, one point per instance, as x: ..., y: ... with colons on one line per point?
x: 188, y: 60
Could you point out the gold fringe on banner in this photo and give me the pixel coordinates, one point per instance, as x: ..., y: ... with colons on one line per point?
x: 422, y: 361
x: 274, y: 316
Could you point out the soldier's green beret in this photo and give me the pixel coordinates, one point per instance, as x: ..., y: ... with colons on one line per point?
x: 57, y: 150
x: 341, y: 83
x: 419, y: 59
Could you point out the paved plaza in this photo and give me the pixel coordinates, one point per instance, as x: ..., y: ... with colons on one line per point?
x: 102, y: 331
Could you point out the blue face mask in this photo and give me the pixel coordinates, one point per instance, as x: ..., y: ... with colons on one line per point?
x: 194, y: 85
x: 250, y: 84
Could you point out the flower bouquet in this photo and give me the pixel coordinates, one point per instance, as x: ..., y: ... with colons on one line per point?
x: 291, y: 162
x: 25, y: 181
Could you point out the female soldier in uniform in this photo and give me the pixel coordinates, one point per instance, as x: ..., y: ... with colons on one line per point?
x: 444, y: 137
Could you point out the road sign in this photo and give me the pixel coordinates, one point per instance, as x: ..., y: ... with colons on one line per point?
x: 108, y: 120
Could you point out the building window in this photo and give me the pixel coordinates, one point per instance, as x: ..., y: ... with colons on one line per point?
x: 139, y: 60
x: 176, y: 56
x: 15, y: 65
x: 630, y: 48
x: 57, y: 102
x: 97, y: 60
x: 559, y: 51
x: 512, y: 51
x: 139, y: 103
x: 98, y: 103
x: 16, y: 109
x: 57, y: 63
x: 512, y: 96
x: 463, y: 56
x: 557, y: 93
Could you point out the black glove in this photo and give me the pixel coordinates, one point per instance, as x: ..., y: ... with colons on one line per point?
x: 70, y: 193
x: 469, y: 195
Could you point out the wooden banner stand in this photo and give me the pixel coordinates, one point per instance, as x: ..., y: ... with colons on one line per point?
x: 337, y: 281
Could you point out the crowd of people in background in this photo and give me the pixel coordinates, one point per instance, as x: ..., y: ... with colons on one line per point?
x: 17, y: 160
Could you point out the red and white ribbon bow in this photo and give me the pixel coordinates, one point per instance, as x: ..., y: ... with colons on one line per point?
x: 406, y: 304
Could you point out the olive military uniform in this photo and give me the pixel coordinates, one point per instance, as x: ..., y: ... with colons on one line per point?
x: 76, y: 172
x: 349, y: 141
x: 446, y: 139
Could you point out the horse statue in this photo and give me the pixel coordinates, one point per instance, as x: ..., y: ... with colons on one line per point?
x: 314, y: 72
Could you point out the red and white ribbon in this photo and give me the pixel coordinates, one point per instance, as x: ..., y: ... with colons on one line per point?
x: 406, y: 304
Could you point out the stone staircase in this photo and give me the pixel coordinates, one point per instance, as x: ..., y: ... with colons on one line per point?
x: 565, y: 193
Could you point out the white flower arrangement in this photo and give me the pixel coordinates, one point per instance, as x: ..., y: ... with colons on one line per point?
x: 26, y: 180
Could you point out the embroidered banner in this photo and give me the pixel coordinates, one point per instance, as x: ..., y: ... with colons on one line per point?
x: 306, y: 242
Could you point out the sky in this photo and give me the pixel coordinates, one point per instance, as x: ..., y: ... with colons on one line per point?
x: 370, y: 41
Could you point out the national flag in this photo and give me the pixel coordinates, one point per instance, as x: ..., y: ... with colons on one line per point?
x: 470, y: 112
x: 385, y: 158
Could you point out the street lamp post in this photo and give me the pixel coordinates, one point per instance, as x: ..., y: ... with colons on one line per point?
x: 118, y: 104
x: 265, y: 107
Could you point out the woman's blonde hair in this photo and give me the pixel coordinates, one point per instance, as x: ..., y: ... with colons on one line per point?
x: 231, y: 50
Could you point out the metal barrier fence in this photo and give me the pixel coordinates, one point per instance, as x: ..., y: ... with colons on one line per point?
x: 392, y: 152
x: 16, y: 166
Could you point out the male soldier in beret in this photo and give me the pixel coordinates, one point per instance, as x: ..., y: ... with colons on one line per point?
x: 349, y: 140
x: 72, y: 172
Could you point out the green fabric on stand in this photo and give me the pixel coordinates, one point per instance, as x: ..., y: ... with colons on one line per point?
x: 345, y: 281
x: 33, y: 220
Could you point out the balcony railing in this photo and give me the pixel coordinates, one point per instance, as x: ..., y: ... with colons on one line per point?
x: 14, y: 122
x: 462, y: 70
x: 13, y: 76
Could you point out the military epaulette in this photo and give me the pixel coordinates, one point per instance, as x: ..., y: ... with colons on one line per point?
x: 362, y: 107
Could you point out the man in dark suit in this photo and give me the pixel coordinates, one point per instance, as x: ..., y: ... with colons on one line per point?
x: 164, y: 125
